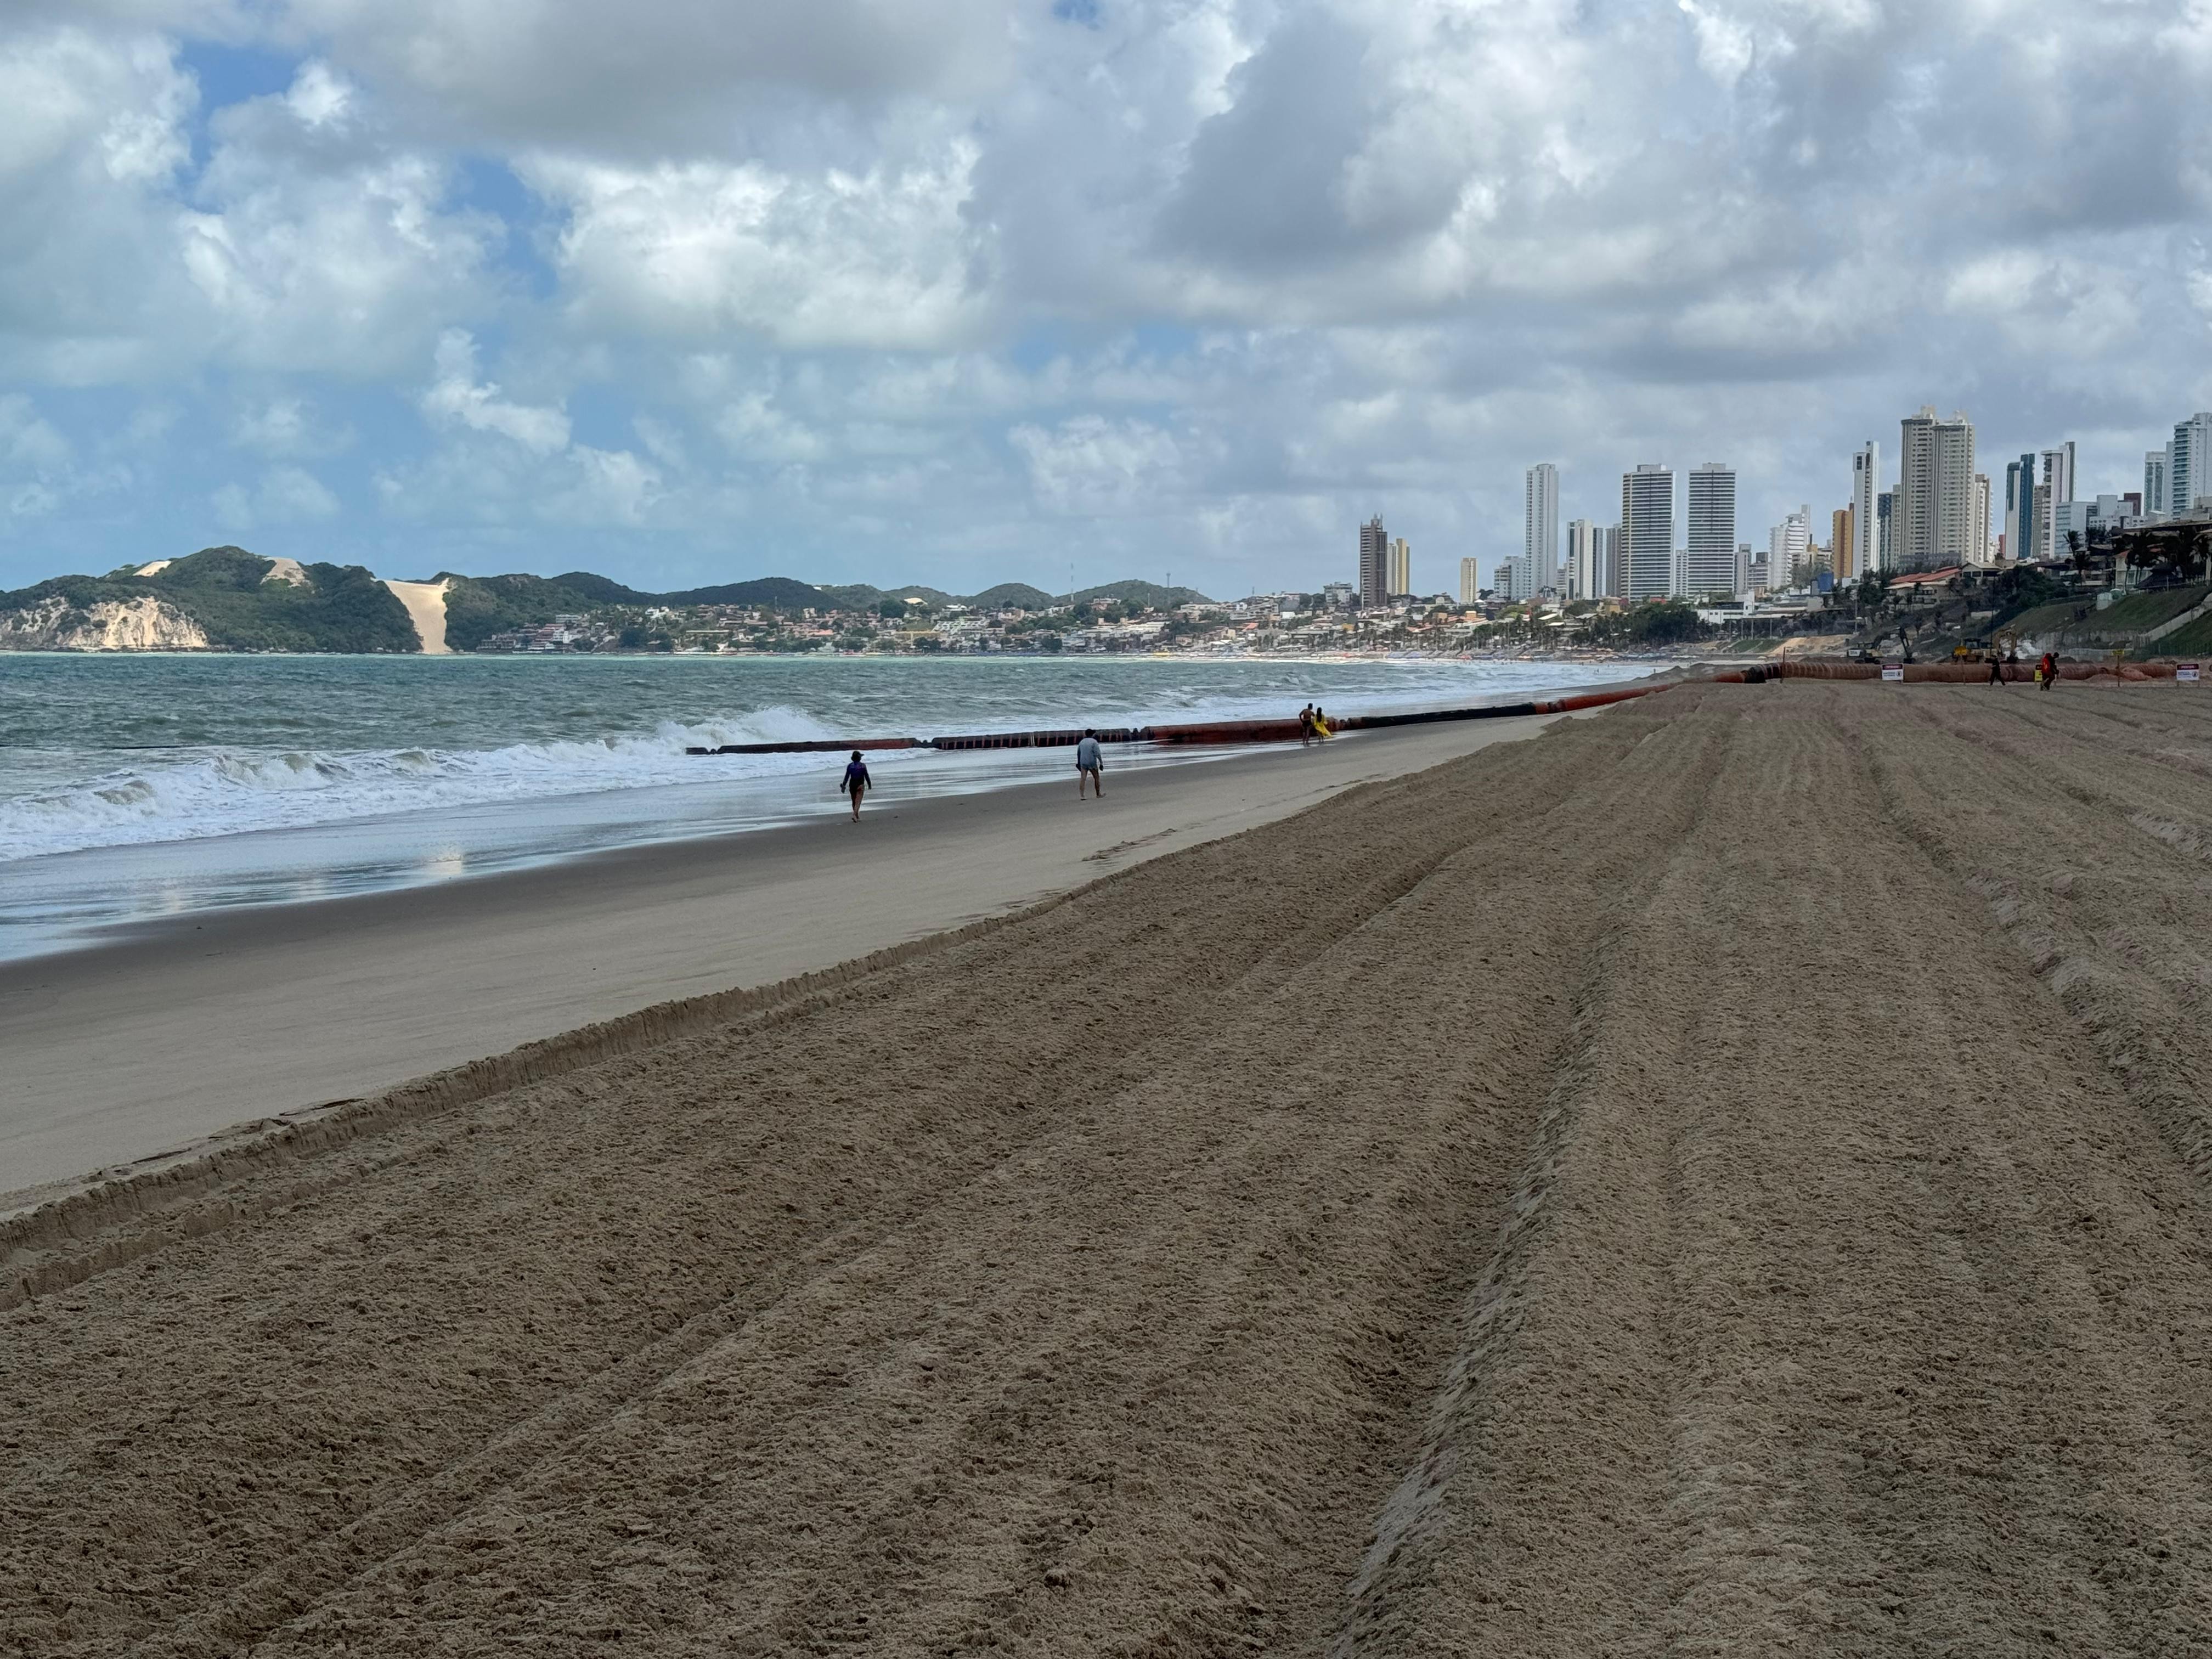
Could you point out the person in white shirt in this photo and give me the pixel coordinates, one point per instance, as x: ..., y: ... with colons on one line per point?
x: 1090, y: 764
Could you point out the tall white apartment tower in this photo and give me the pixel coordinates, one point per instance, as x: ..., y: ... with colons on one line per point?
x: 2188, y: 471
x: 1866, y: 472
x: 1788, y: 546
x: 1399, y: 579
x: 1540, y: 539
x: 1470, y: 580
x: 2156, y: 463
x: 1647, y: 530
x: 2054, y: 492
x: 1979, y: 549
x: 1934, y: 513
x: 1585, y: 561
x: 1709, y: 564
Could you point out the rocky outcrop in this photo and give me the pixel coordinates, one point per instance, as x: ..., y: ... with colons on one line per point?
x: 145, y: 624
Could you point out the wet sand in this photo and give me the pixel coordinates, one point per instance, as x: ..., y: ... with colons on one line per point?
x: 182, y: 1030
x: 1727, y: 1177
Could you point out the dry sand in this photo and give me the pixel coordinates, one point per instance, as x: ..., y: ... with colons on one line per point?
x: 191, y: 1025
x: 1727, y: 1177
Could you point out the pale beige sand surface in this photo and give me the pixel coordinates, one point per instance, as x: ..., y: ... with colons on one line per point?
x: 122, y: 1053
x: 1728, y: 1177
x: 426, y: 608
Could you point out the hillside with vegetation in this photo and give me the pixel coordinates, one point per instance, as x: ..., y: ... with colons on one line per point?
x: 221, y: 598
x: 226, y: 598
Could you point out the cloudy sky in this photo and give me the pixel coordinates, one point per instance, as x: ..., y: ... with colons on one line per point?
x: 970, y: 290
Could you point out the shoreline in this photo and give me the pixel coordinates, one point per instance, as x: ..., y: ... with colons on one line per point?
x: 171, y: 1031
x: 309, y: 847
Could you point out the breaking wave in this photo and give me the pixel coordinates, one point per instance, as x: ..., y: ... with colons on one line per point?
x: 217, y: 791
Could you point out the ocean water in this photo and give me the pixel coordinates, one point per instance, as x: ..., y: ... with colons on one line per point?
x: 138, y: 786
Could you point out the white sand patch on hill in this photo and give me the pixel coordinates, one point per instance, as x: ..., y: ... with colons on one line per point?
x: 155, y: 568
x: 426, y: 605
x: 287, y: 570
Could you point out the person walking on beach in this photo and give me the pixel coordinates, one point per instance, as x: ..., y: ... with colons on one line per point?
x: 1306, y: 726
x: 2050, y: 667
x: 1090, y: 764
x: 1320, y: 723
x: 857, y: 781
x: 1996, y: 669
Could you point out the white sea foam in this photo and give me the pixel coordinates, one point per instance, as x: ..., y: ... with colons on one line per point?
x: 218, y: 792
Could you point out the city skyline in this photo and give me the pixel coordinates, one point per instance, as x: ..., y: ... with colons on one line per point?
x: 867, y: 296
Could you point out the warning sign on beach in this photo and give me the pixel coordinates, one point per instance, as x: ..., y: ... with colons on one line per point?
x: 2186, y: 671
x: 1892, y: 671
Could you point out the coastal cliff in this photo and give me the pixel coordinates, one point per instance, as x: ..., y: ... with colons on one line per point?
x: 220, y: 599
x: 140, y: 624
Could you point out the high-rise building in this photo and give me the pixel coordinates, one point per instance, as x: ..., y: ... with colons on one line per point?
x: 2020, y: 507
x: 1978, y: 550
x: 1866, y: 484
x: 1743, y: 583
x: 1933, y: 517
x: 1787, y: 564
x: 1470, y: 580
x: 1708, y: 560
x: 2053, y: 489
x: 2188, y: 471
x: 1616, y: 572
x: 1398, y: 581
x: 1374, y: 562
x: 1540, y: 536
x: 1884, y: 535
x: 1585, y: 562
x: 2155, y: 464
x: 1514, y: 584
x: 1844, y: 539
x: 1647, y: 530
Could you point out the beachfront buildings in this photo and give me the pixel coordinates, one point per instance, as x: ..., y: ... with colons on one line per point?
x: 1374, y: 562
x: 1708, y: 560
x: 2019, y: 534
x: 1786, y: 562
x: 1398, y: 581
x: 1933, y: 518
x: 2053, y: 490
x: 1866, y: 484
x: 1588, y: 545
x: 2188, y: 464
x: 1647, y: 530
x: 1540, y: 535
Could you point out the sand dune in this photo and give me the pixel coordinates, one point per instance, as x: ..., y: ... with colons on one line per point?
x: 1726, y: 1176
x: 426, y: 609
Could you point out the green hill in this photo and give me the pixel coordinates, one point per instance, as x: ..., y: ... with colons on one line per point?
x: 1149, y: 594
x: 231, y: 596
x: 227, y: 592
x: 1013, y: 596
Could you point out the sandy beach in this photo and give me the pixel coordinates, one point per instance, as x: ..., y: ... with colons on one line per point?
x: 1727, y: 1175
x: 196, y: 1025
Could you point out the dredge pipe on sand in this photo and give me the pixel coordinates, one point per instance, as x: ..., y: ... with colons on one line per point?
x: 812, y: 746
x: 1216, y: 732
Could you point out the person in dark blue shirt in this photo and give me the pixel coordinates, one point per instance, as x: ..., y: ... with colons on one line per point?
x: 857, y: 782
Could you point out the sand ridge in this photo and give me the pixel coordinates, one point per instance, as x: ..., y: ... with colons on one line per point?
x: 1725, y: 1177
